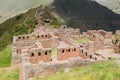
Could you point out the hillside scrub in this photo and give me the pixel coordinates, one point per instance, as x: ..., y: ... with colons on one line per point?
x: 21, y: 24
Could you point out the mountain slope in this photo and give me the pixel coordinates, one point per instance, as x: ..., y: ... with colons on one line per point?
x: 87, y: 14
x: 112, y: 4
x: 10, y: 8
x: 22, y: 24
x: 81, y: 14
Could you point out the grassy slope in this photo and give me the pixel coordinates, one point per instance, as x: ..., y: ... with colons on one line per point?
x: 8, y: 74
x: 100, y: 71
x: 11, y: 8
x: 5, y: 57
x: 21, y: 24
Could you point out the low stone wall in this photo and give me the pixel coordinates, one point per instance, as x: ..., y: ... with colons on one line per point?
x: 53, y: 67
x: 16, y: 59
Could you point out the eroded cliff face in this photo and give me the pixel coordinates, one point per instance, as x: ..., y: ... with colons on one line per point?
x: 87, y: 14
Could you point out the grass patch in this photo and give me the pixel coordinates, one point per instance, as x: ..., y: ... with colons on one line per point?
x: 8, y: 74
x: 54, y: 51
x: 82, y: 40
x: 100, y: 71
x: 5, y: 56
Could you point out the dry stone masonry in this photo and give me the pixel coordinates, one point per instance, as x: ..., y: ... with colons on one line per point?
x: 48, y: 50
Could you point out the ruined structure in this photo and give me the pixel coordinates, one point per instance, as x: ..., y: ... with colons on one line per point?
x: 100, y: 39
x: 116, y: 42
x: 38, y: 45
x: 36, y: 50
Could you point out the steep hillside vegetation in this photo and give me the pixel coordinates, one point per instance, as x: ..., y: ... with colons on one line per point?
x: 87, y: 14
x: 22, y: 24
x: 10, y: 8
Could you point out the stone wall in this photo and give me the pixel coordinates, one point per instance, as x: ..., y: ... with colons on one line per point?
x: 52, y: 67
x: 40, y: 55
x: 66, y: 53
x: 108, y: 35
x: 95, y: 38
x: 50, y: 43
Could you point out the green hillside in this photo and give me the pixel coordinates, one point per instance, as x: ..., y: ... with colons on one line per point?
x: 21, y: 24
x: 10, y: 8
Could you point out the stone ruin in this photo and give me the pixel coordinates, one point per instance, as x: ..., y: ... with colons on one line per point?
x: 98, y: 35
x: 117, y: 42
x: 38, y: 45
x: 117, y: 32
x: 35, y: 50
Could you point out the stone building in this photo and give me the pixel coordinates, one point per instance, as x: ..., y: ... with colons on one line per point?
x: 100, y: 37
x: 98, y: 33
x: 37, y: 46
